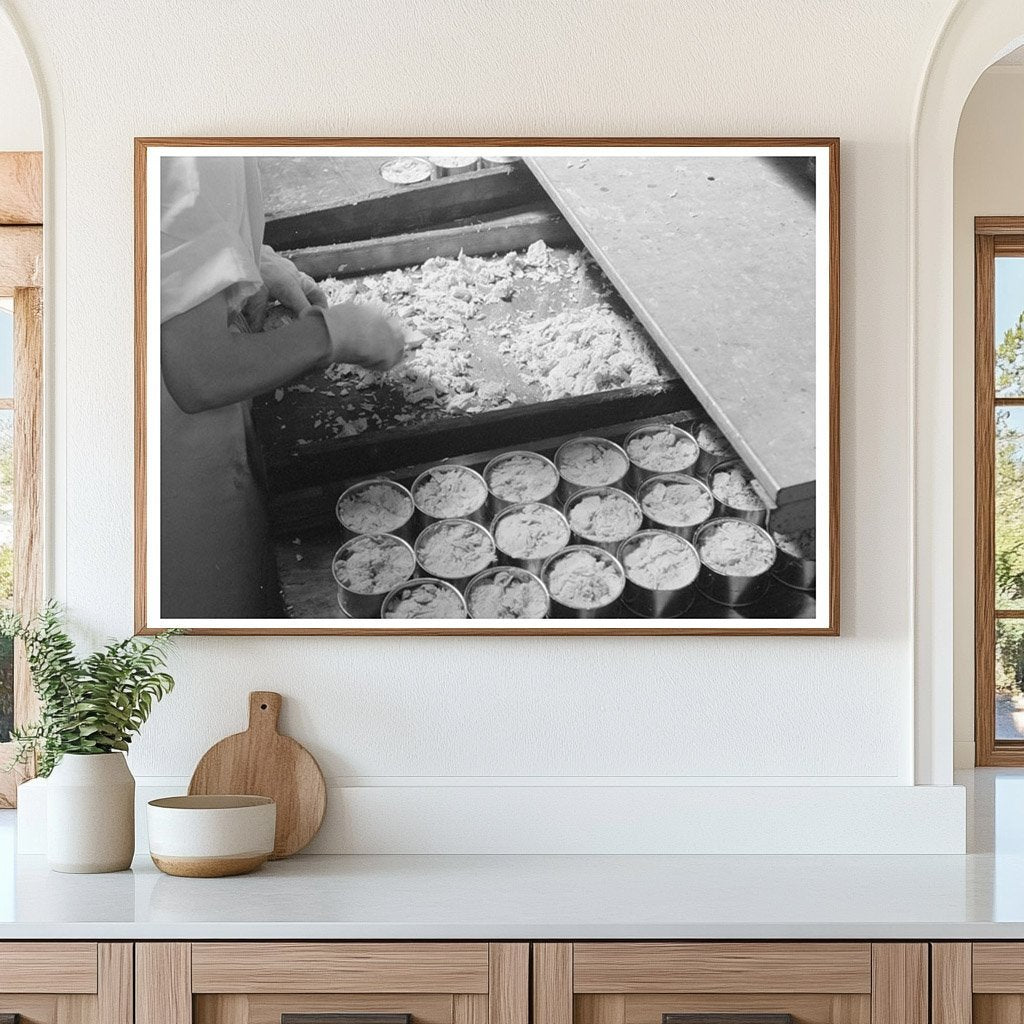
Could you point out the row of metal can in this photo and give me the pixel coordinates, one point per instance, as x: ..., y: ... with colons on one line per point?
x: 620, y: 588
x: 555, y: 489
x: 412, y: 170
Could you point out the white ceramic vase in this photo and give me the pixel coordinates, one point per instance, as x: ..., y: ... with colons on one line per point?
x: 90, y: 814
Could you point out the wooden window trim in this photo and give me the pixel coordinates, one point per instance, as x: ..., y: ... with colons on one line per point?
x: 21, y: 269
x: 993, y: 237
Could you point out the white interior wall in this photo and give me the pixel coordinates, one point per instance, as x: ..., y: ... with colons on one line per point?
x: 441, y: 715
x: 988, y: 181
x: 21, y: 126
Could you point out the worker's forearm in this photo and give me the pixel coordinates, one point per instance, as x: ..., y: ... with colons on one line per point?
x: 206, y: 367
x: 239, y: 366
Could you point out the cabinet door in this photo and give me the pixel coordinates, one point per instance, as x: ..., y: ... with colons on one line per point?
x: 65, y: 983
x: 980, y: 982
x: 730, y: 983
x: 332, y: 983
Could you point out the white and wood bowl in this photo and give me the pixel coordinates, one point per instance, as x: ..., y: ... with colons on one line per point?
x: 211, y: 836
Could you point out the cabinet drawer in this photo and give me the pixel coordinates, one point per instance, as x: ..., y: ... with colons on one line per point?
x: 634, y: 967
x: 981, y: 982
x: 332, y: 983
x: 66, y: 982
x: 340, y: 967
x: 65, y: 967
x: 730, y: 983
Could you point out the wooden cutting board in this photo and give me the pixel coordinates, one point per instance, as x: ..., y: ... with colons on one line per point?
x: 262, y: 762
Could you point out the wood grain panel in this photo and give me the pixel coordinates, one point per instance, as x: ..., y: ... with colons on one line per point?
x: 984, y: 503
x: 267, y: 1009
x: 851, y: 1009
x: 899, y: 988
x: 339, y: 967
x: 951, y: 983
x: 593, y: 1009
x: 1011, y: 244
x: 229, y: 1009
x: 998, y: 1009
x: 998, y: 967
x: 76, y: 1009
x: 65, y: 967
x: 508, y: 992
x: 21, y: 258
x: 998, y: 225
x: 635, y: 967
x: 21, y: 188
x: 163, y: 983
x: 32, y: 1009
x: 552, y: 983
x: 115, y: 983
x: 805, y: 1008
x: 468, y: 1009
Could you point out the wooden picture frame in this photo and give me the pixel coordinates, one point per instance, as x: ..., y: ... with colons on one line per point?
x: 319, y: 248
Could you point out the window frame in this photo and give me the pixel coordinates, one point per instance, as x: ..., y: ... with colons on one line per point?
x: 993, y: 237
x: 21, y: 273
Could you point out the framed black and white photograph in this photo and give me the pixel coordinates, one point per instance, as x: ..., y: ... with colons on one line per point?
x: 487, y: 386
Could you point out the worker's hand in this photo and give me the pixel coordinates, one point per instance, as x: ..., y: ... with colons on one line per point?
x: 287, y: 284
x: 362, y: 335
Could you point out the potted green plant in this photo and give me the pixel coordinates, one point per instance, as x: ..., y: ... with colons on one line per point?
x: 89, y: 710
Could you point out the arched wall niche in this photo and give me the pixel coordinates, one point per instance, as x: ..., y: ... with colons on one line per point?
x: 976, y: 33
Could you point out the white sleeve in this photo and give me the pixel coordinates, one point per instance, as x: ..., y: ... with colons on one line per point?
x: 207, y: 215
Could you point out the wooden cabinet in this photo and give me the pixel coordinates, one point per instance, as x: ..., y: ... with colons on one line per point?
x: 494, y: 983
x: 306, y: 982
x: 753, y: 982
x: 978, y: 983
x: 66, y: 982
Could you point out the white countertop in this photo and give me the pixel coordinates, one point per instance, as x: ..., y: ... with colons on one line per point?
x: 496, y: 897
x: 980, y: 895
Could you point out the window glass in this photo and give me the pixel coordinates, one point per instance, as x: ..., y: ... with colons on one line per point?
x: 1009, y: 496
x: 6, y: 353
x: 1009, y: 327
x: 1009, y: 510
x: 1009, y: 679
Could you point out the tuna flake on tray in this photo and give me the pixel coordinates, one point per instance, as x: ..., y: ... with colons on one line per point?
x: 486, y: 333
